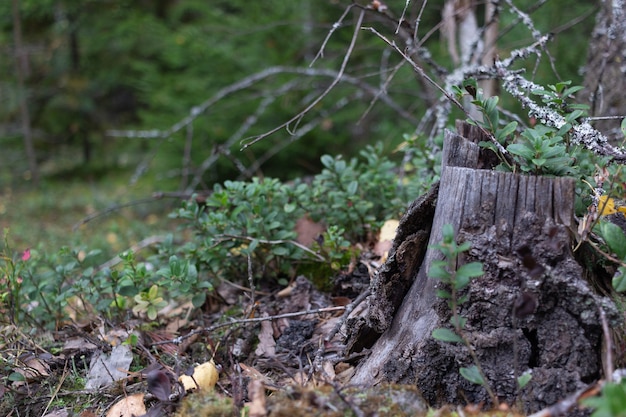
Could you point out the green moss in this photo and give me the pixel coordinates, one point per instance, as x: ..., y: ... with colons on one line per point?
x: 207, y: 404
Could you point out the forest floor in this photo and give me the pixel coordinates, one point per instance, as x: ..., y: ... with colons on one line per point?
x: 273, y: 350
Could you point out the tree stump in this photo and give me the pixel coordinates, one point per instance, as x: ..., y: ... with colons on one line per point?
x: 532, y: 310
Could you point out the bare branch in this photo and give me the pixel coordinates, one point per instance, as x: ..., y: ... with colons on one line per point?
x: 332, y: 85
x: 450, y: 98
x: 336, y: 25
x: 215, y: 327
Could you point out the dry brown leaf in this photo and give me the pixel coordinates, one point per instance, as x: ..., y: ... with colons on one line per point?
x: 267, y: 344
x: 104, y: 368
x: 344, y: 373
x: 256, y: 391
x: 130, y: 406
x: 286, y: 292
x: 253, y: 373
x: 78, y: 344
x: 179, y: 318
x: 307, y: 230
x: 329, y: 371
x: 388, y: 231
x: 205, y: 377
x: 33, y: 368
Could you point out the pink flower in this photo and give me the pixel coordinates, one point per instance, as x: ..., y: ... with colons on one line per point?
x: 26, y: 255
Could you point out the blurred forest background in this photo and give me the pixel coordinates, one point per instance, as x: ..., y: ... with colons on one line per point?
x: 106, y: 102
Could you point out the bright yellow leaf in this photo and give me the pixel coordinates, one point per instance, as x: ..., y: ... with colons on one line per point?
x: 205, y: 375
x: 607, y: 206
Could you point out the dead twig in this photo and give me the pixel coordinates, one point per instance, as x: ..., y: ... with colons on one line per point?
x: 296, y: 119
x: 236, y: 322
x: 317, y: 362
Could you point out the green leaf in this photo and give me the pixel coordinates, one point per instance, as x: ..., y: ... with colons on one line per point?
x: 619, y: 280
x: 574, y: 115
x: 488, y: 145
x: 461, y: 281
x: 128, y: 290
x: 458, y: 322
x: 327, y: 161
x: 501, y: 134
x: 448, y: 232
x: 491, y: 103
x: 253, y: 245
x: 611, y: 403
x: 443, y: 294
x: 541, y: 92
x: 472, y: 269
x: 524, y: 379
x: 623, y: 126
x: 353, y: 187
x: 614, y: 236
x: 539, y: 161
x: 472, y: 374
x: 446, y: 335
x: 280, y: 251
x: 521, y: 150
x: 438, y: 271
x: 572, y: 90
x: 198, y: 299
x: 16, y: 377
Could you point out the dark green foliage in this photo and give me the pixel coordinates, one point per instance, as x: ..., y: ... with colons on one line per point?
x: 96, y: 66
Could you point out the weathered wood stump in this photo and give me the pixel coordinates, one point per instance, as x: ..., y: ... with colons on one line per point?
x: 531, y: 310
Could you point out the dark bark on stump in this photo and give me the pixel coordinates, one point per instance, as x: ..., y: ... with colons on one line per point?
x: 519, y: 227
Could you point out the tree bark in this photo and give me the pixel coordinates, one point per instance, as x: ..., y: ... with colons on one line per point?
x: 21, y: 66
x: 531, y: 310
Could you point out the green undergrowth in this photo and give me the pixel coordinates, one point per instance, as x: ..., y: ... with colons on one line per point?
x: 244, y: 231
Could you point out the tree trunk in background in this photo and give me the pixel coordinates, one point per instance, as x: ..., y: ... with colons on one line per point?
x: 21, y: 67
x: 477, y: 45
x: 605, y: 74
x: 519, y: 227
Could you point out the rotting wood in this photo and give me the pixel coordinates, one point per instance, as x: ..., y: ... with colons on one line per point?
x: 506, y: 217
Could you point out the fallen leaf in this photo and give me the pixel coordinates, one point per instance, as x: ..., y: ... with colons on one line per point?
x: 130, y: 406
x: 388, y: 231
x: 329, y: 371
x: 33, y: 368
x: 256, y: 392
x: 307, y: 230
x: 105, y: 369
x: 159, y: 385
x: 58, y: 413
x: 205, y: 377
x: 608, y: 206
x: 267, y: 344
x: 253, y: 373
x: 385, y: 238
x: 77, y: 344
